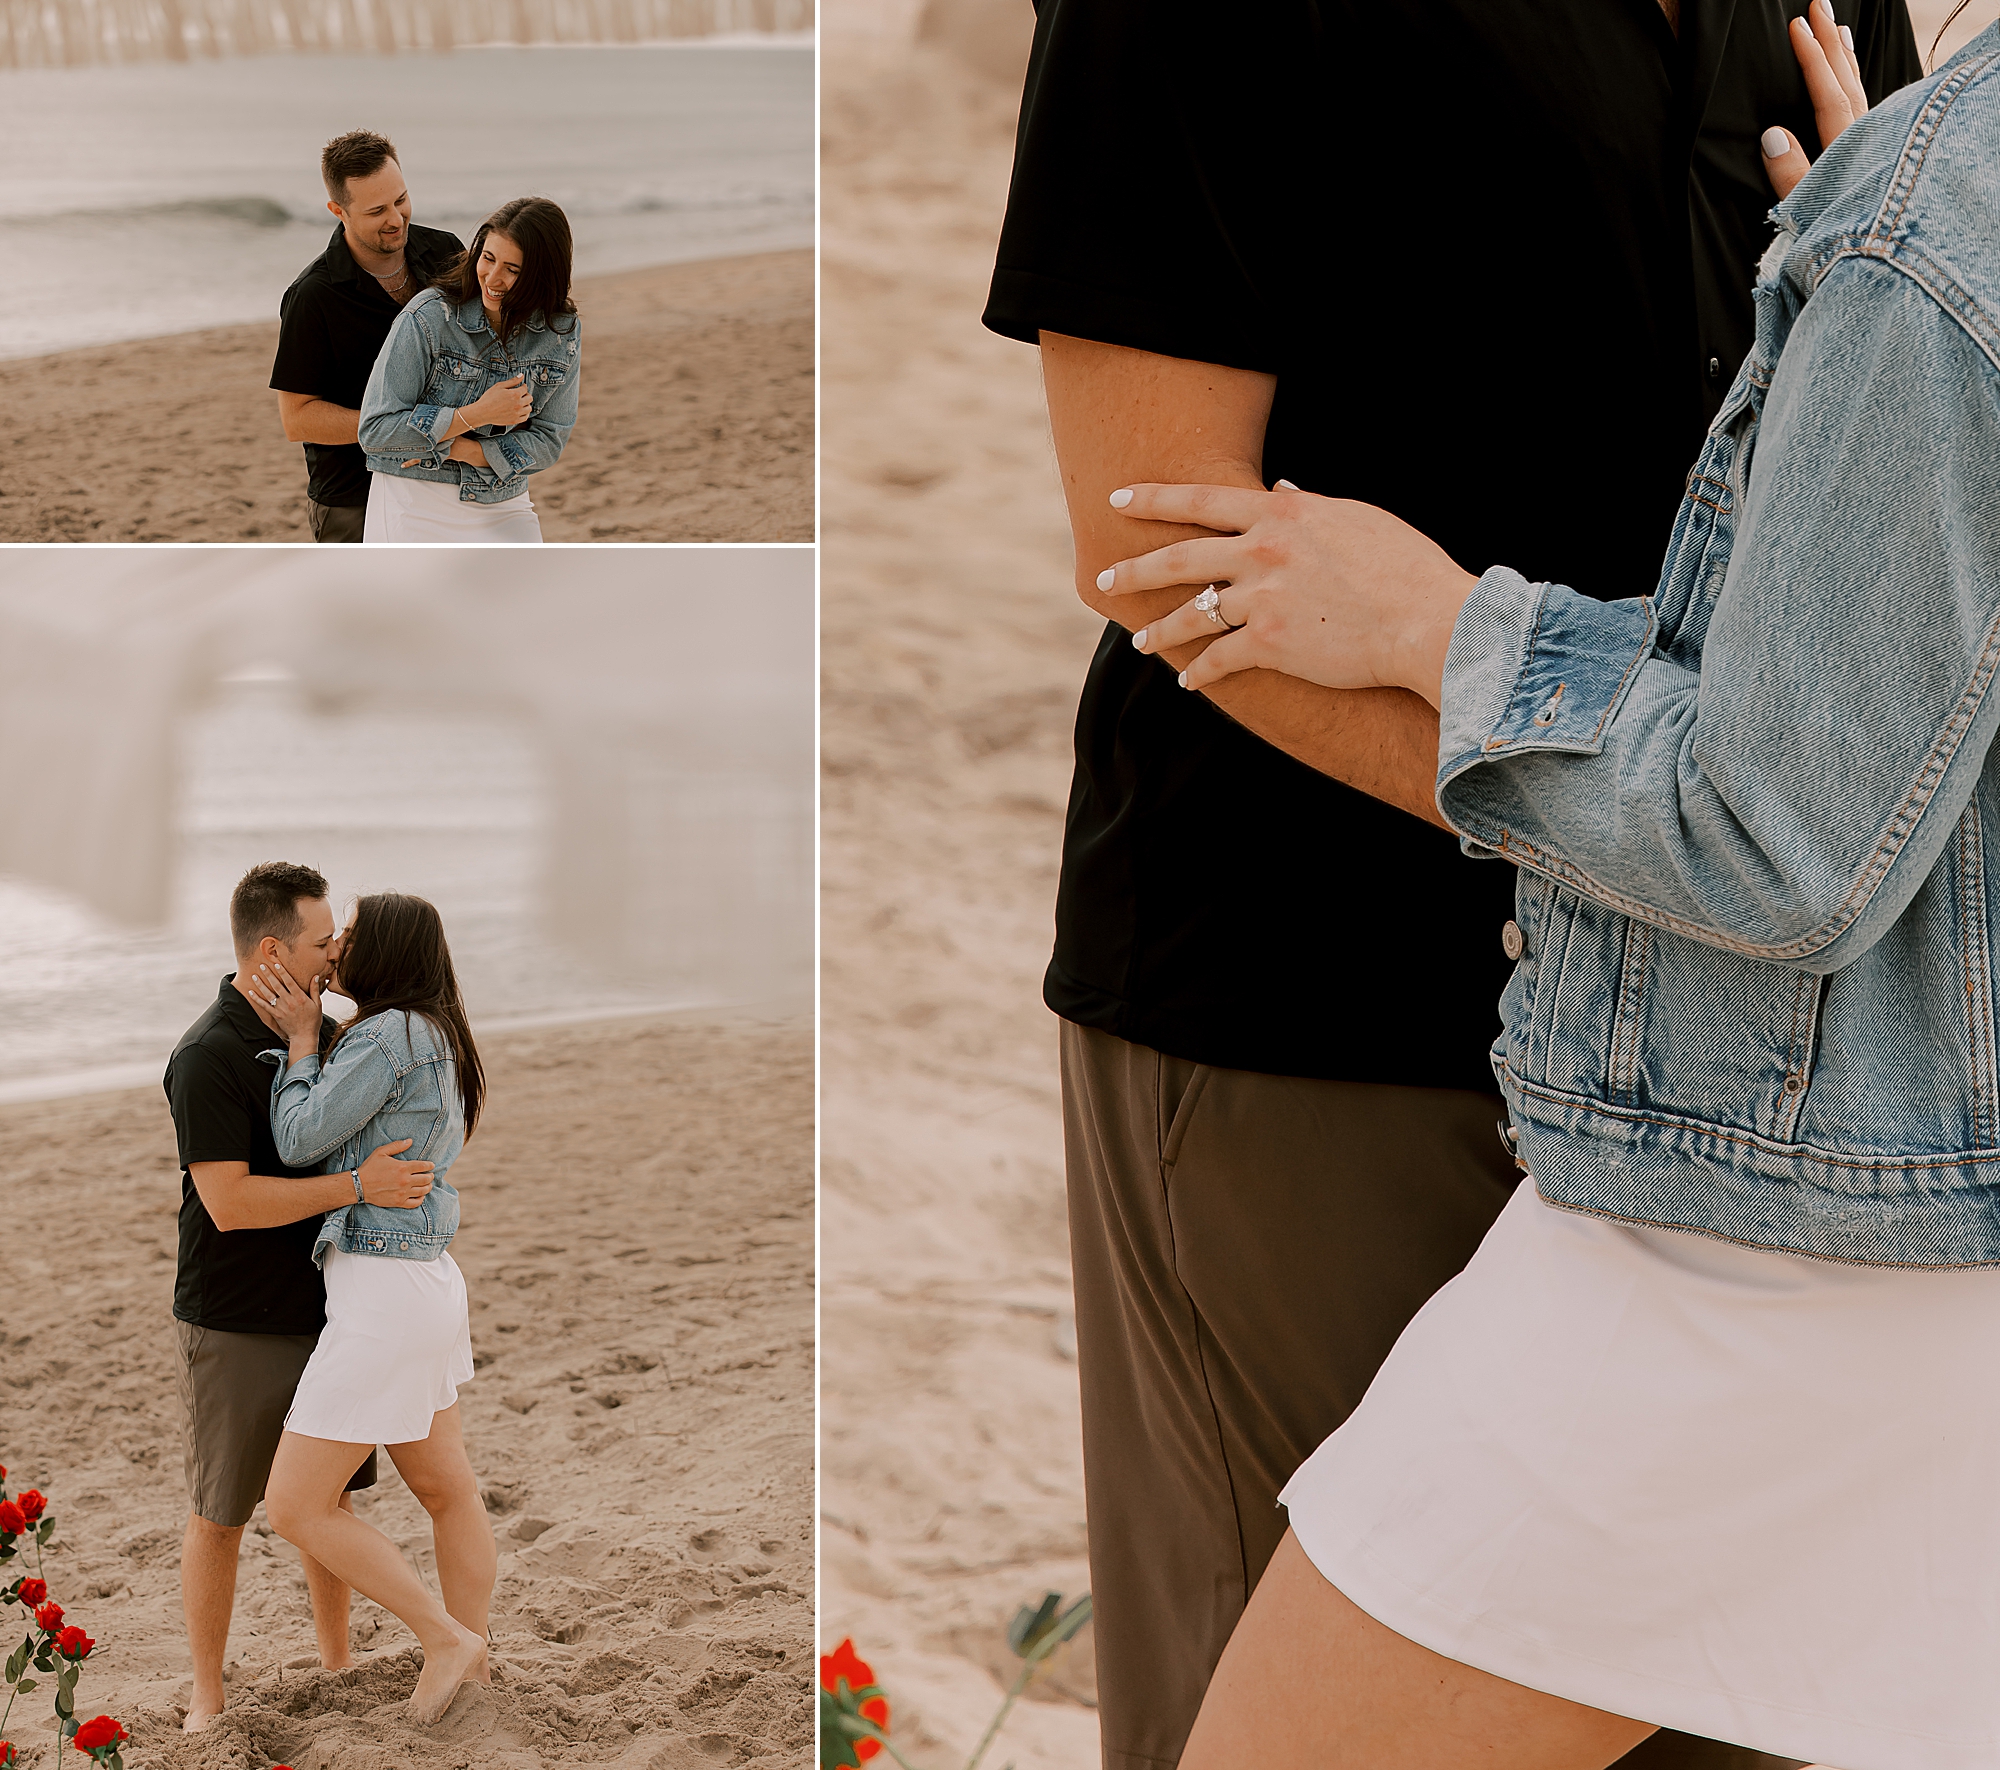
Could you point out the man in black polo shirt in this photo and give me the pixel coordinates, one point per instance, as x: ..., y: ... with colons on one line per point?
x: 1486, y: 265
x: 248, y: 1300
x: 333, y: 319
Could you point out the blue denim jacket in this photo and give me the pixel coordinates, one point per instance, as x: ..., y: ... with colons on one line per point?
x: 392, y: 1076
x: 437, y: 358
x: 1756, y: 814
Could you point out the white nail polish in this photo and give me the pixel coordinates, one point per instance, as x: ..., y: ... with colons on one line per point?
x: 1183, y: 679
x: 1847, y: 37
x: 1107, y: 577
x: 1775, y: 143
x: 1285, y: 485
x: 1120, y: 498
x: 1139, y: 640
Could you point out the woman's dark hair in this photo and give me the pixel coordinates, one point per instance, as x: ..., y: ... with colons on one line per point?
x: 394, y: 956
x: 541, y: 291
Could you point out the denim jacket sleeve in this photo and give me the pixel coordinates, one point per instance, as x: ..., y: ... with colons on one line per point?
x: 530, y: 447
x: 1786, y: 800
x: 395, y: 420
x: 317, y: 1106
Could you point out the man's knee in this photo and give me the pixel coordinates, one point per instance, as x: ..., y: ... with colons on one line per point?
x: 205, y: 1533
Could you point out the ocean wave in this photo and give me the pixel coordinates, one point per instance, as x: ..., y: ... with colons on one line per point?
x: 268, y: 212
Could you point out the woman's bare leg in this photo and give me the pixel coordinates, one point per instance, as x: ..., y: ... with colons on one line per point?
x: 1310, y: 1681
x: 302, y: 1501
x: 437, y: 1470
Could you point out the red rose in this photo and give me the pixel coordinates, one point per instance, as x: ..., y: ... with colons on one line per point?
x: 33, y: 1592
x: 94, y: 1736
x: 8, y: 1755
x: 48, y: 1618
x: 844, y: 1662
x: 12, y: 1523
x: 32, y: 1504
x: 73, y: 1643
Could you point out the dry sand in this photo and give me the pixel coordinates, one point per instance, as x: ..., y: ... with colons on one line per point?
x: 951, y: 1481
x: 696, y: 423
x: 954, y: 648
x: 637, y: 1245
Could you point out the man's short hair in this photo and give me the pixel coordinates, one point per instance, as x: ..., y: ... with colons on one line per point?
x: 266, y: 901
x: 354, y: 155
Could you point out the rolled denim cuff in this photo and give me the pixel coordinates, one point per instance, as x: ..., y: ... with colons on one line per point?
x: 507, y: 457
x: 433, y: 422
x: 304, y: 1070
x: 1535, y: 667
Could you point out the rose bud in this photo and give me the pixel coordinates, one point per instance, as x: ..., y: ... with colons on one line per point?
x: 33, y: 1592
x: 12, y: 1523
x: 48, y: 1618
x: 8, y: 1755
x: 73, y: 1643
x: 32, y: 1504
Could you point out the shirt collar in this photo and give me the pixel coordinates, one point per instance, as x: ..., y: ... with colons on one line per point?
x: 241, y: 1016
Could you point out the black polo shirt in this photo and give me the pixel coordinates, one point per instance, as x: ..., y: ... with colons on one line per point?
x: 242, y: 1281
x: 331, y: 324
x: 1498, y: 254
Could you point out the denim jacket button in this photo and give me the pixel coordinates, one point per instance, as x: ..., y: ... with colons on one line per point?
x: 1794, y: 1083
x: 1512, y: 942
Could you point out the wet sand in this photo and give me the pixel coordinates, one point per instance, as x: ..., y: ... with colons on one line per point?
x: 696, y: 423
x: 637, y: 1246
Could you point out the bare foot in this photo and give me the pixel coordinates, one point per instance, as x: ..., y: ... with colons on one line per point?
x: 483, y: 1674
x: 200, y: 1711
x: 443, y: 1672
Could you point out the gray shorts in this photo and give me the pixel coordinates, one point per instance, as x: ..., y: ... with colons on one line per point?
x: 336, y: 522
x: 235, y: 1392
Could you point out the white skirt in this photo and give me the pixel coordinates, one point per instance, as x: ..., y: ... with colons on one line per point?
x: 1746, y: 1494
x: 396, y: 1345
x: 430, y: 510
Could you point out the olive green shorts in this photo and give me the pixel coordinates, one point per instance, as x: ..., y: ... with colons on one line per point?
x: 235, y: 1392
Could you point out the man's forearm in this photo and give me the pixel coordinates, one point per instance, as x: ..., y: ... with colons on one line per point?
x: 318, y: 420
x: 264, y: 1201
x: 1124, y: 415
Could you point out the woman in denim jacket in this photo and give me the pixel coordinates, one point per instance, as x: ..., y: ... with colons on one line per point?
x: 1706, y: 1435
x: 476, y: 387
x: 396, y: 1345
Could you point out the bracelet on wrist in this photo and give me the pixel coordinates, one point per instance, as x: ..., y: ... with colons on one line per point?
x: 358, y: 1199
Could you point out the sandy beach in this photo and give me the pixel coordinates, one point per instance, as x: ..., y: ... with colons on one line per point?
x: 953, y: 648
x: 637, y: 1244
x: 696, y: 423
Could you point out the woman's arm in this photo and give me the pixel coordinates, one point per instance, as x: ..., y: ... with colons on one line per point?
x: 1785, y: 801
x: 539, y: 443
x: 316, y: 1105
x: 396, y: 419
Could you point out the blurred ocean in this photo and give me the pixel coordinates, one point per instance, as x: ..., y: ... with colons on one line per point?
x: 163, y: 197
x: 451, y: 808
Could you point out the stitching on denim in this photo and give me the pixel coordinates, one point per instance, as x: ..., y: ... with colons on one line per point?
x: 1903, y: 185
x: 1901, y: 823
x: 1974, y: 946
x: 1644, y: 652
x: 1790, y: 1152
x: 1624, y: 1076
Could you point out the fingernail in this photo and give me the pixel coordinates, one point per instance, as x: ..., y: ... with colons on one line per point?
x: 1120, y: 498
x: 1139, y: 640
x: 1775, y: 143
x: 1825, y: 9
x: 1285, y: 485
x: 1183, y: 679
x: 1847, y: 37
x: 1109, y: 575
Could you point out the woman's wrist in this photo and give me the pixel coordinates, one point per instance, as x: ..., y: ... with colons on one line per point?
x: 1423, y: 641
x: 302, y: 1045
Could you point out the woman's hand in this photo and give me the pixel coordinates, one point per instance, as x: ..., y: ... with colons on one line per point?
x: 293, y: 1011
x: 463, y: 448
x: 507, y: 402
x: 1336, y: 592
x: 1826, y: 57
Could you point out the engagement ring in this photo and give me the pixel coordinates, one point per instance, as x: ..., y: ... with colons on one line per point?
x: 1210, y: 604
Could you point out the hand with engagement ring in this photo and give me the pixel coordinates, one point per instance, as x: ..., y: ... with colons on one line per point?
x: 1326, y: 589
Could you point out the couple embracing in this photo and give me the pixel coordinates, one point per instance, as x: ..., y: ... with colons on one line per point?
x: 317, y: 1310
x: 1660, y: 1427
x: 428, y: 382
